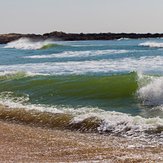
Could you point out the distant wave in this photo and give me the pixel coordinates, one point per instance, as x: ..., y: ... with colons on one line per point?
x: 152, y: 44
x: 69, y: 54
x: 27, y: 44
x: 87, y: 45
x: 120, y: 39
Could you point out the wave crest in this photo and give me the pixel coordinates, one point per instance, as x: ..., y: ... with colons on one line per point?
x: 113, y: 123
x: 152, y: 93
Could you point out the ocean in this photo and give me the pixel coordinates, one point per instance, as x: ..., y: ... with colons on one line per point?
x: 109, y: 87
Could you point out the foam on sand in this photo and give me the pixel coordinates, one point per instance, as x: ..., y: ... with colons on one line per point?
x: 83, y: 119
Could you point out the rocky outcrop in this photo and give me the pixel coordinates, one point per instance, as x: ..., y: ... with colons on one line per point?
x: 98, y: 36
x: 5, y: 38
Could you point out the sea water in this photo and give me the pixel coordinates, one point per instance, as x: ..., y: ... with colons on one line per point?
x: 118, y: 82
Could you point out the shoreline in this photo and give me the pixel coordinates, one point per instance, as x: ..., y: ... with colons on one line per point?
x: 62, y: 36
x: 23, y: 143
x: 30, y: 143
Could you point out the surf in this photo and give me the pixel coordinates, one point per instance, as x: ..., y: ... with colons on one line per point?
x: 28, y: 44
x: 73, y: 86
x: 111, y: 123
x: 25, y: 97
x: 104, y: 66
x: 147, y: 88
x: 115, y: 92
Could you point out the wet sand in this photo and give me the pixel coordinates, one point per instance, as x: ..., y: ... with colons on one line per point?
x: 24, y: 143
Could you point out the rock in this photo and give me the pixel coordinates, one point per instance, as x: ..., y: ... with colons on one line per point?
x: 61, y: 36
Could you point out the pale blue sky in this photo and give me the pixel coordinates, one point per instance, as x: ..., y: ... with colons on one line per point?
x: 40, y: 16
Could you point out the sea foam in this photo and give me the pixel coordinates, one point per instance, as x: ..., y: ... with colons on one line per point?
x: 152, y: 93
x: 148, y: 64
x: 114, y: 123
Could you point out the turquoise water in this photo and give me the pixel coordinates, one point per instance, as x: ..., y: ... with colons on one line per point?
x: 122, y: 79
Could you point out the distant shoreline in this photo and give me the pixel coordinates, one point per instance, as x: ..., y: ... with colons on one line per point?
x: 61, y: 36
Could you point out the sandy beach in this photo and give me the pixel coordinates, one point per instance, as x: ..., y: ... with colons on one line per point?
x: 24, y: 143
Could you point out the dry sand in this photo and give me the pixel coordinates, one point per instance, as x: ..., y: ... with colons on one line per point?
x: 24, y: 143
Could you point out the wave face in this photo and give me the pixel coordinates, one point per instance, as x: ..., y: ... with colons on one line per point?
x: 112, y: 87
x: 73, y: 89
x: 148, y: 89
x: 27, y: 44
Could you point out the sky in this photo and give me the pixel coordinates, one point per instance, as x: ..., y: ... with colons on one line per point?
x: 75, y: 16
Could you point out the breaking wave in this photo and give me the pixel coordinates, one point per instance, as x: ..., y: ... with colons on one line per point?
x: 75, y: 87
x: 152, y: 44
x: 16, y: 95
x: 148, y: 89
x: 27, y: 44
x: 85, y: 119
x: 152, y: 93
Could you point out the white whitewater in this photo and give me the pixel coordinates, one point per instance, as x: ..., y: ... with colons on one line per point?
x: 148, y: 64
x: 27, y: 44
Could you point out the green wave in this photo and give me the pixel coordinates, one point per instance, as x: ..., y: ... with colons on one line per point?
x: 48, y: 46
x: 73, y: 87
